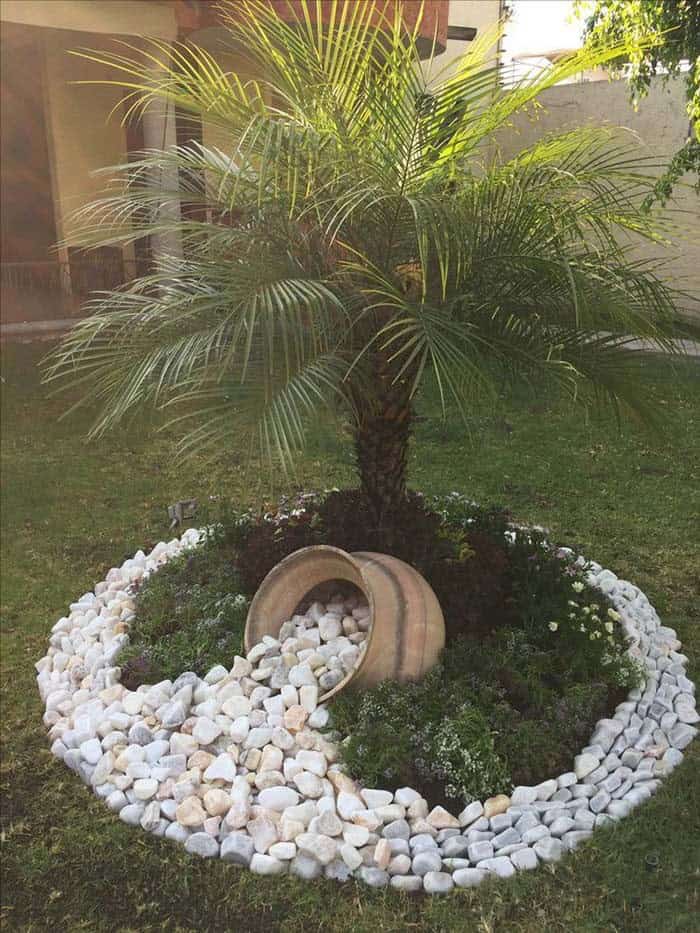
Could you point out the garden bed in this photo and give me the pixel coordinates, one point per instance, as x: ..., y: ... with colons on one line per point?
x: 91, y: 716
x: 525, y: 695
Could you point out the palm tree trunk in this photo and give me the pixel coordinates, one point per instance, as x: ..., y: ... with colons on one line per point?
x: 381, y: 448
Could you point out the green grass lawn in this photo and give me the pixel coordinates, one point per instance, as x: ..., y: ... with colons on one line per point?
x: 71, y: 509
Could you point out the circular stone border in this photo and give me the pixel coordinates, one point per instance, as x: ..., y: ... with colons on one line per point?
x: 88, y: 713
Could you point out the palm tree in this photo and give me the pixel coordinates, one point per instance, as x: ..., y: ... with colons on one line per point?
x: 359, y: 233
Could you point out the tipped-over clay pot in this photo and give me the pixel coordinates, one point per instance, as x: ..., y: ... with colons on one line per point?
x: 407, y: 630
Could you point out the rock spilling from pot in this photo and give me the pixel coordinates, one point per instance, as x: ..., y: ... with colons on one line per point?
x: 235, y: 764
x: 395, y: 604
x: 320, y: 646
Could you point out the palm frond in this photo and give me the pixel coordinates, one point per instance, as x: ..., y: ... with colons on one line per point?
x: 358, y: 222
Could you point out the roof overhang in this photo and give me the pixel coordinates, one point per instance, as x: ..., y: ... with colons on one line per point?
x: 196, y: 15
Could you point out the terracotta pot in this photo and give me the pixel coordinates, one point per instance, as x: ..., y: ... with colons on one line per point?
x: 407, y: 630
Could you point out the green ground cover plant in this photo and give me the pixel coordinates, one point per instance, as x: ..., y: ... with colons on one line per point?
x: 190, y: 616
x: 72, y: 510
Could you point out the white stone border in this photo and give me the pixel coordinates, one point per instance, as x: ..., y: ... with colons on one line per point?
x: 386, y: 837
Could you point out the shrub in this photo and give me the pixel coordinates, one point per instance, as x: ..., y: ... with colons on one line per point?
x: 342, y: 518
x: 456, y: 736
x: 474, y: 590
x: 263, y: 542
x: 465, y: 560
x: 459, y: 750
x: 554, y: 602
x: 545, y: 744
x: 418, y: 734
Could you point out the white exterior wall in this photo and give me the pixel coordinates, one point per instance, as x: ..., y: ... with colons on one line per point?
x: 481, y: 14
x: 661, y: 124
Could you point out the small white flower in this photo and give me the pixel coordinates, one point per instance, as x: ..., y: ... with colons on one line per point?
x: 553, y: 626
x: 577, y: 586
x: 609, y: 627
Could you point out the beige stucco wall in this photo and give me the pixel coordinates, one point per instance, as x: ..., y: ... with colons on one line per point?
x: 120, y: 17
x: 481, y: 14
x: 82, y: 136
x: 660, y: 123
